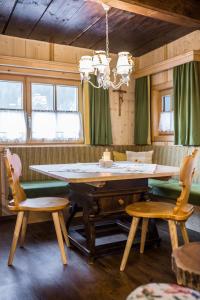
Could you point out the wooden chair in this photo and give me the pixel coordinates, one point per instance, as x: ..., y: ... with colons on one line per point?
x: 23, y: 206
x: 173, y: 213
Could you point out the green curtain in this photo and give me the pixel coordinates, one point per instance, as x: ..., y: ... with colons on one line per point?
x: 100, y: 121
x: 186, y: 81
x: 142, y: 111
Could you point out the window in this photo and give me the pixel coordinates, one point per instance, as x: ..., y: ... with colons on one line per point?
x: 12, y: 116
x: 39, y: 110
x: 166, y: 124
x: 55, y: 114
x: 162, y: 112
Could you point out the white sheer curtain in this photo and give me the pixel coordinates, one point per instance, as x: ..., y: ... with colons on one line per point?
x: 166, y: 122
x: 12, y: 126
x: 56, y: 126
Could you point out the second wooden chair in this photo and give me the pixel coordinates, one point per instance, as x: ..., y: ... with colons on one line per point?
x: 179, y: 212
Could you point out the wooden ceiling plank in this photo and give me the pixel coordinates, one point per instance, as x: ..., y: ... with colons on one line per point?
x: 97, y: 32
x: 25, y: 15
x: 179, y: 12
x: 122, y: 35
x: 6, y: 9
x: 141, y: 31
x: 55, y: 24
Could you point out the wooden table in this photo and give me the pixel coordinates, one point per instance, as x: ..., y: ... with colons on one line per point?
x: 102, y: 196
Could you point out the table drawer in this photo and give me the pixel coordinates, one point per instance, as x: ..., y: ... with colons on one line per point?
x: 116, y: 203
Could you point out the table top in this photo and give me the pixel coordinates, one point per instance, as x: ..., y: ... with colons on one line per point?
x: 92, y: 172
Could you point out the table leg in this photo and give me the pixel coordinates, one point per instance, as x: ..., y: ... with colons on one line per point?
x: 89, y: 226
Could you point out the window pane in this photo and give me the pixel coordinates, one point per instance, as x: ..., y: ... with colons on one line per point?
x: 67, y: 98
x: 43, y: 125
x: 42, y: 97
x: 11, y: 94
x: 166, y: 103
x: 56, y: 126
x: 12, y: 126
x: 166, y: 122
x: 69, y: 126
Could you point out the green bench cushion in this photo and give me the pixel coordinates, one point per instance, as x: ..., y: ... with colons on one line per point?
x: 52, y: 188
x: 171, y: 189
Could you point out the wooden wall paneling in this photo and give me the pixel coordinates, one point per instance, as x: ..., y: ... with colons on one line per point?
x: 12, y: 46
x: 37, y: 50
x: 122, y: 126
x: 155, y: 96
x: 151, y: 58
x: 39, y: 73
x: 25, y: 16
x: 38, y: 64
x: 6, y: 8
x: 168, y: 64
x: 184, y: 44
x: 69, y: 54
x: 159, y: 78
x: 180, y: 46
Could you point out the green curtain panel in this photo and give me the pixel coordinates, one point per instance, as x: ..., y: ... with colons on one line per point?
x: 100, y: 121
x: 186, y: 81
x: 142, y: 111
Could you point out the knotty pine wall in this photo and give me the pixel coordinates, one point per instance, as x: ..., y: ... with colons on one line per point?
x: 173, y: 49
x: 122, y: 126
x: 180, y: 46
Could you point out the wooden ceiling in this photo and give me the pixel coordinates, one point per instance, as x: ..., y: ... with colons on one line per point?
x: 82, y: 24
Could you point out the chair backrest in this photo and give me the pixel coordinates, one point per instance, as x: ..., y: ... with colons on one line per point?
x: 187, y: 170
x: 14, y: 169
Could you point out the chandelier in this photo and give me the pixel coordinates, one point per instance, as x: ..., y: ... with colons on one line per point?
x: 99, y: 65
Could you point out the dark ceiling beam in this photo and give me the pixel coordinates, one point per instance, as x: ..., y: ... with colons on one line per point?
x: 180, y: 12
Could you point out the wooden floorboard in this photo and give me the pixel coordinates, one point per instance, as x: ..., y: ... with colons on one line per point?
x: 38, y: 273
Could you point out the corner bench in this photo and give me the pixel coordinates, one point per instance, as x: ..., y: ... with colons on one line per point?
x: 49, y: 188
x: 36, y: 184
x: 170, y: 189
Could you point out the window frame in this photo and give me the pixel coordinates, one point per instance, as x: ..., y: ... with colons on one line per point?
x: 27, y: 105
x: 158, y: 91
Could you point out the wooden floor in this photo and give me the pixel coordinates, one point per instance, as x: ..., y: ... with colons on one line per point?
x: 38, y: 273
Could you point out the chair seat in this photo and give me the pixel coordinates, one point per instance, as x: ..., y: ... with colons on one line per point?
x: 153, y: 209
x: 40, y: 204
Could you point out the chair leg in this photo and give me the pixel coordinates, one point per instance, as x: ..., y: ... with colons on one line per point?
x: 18, y: 225
x: 184, y: 232
x: 145, y: 222
x: 129, y: 242
x: 173, y: 234
x: 59, y: 236
x: 24, y: 227
x: 63, y: 228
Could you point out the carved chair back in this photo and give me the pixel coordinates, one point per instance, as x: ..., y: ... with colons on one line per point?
x: 185, y: 180
x: 14, y: 169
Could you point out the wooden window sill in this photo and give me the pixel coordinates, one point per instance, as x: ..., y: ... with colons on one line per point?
x: 164, y: 138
